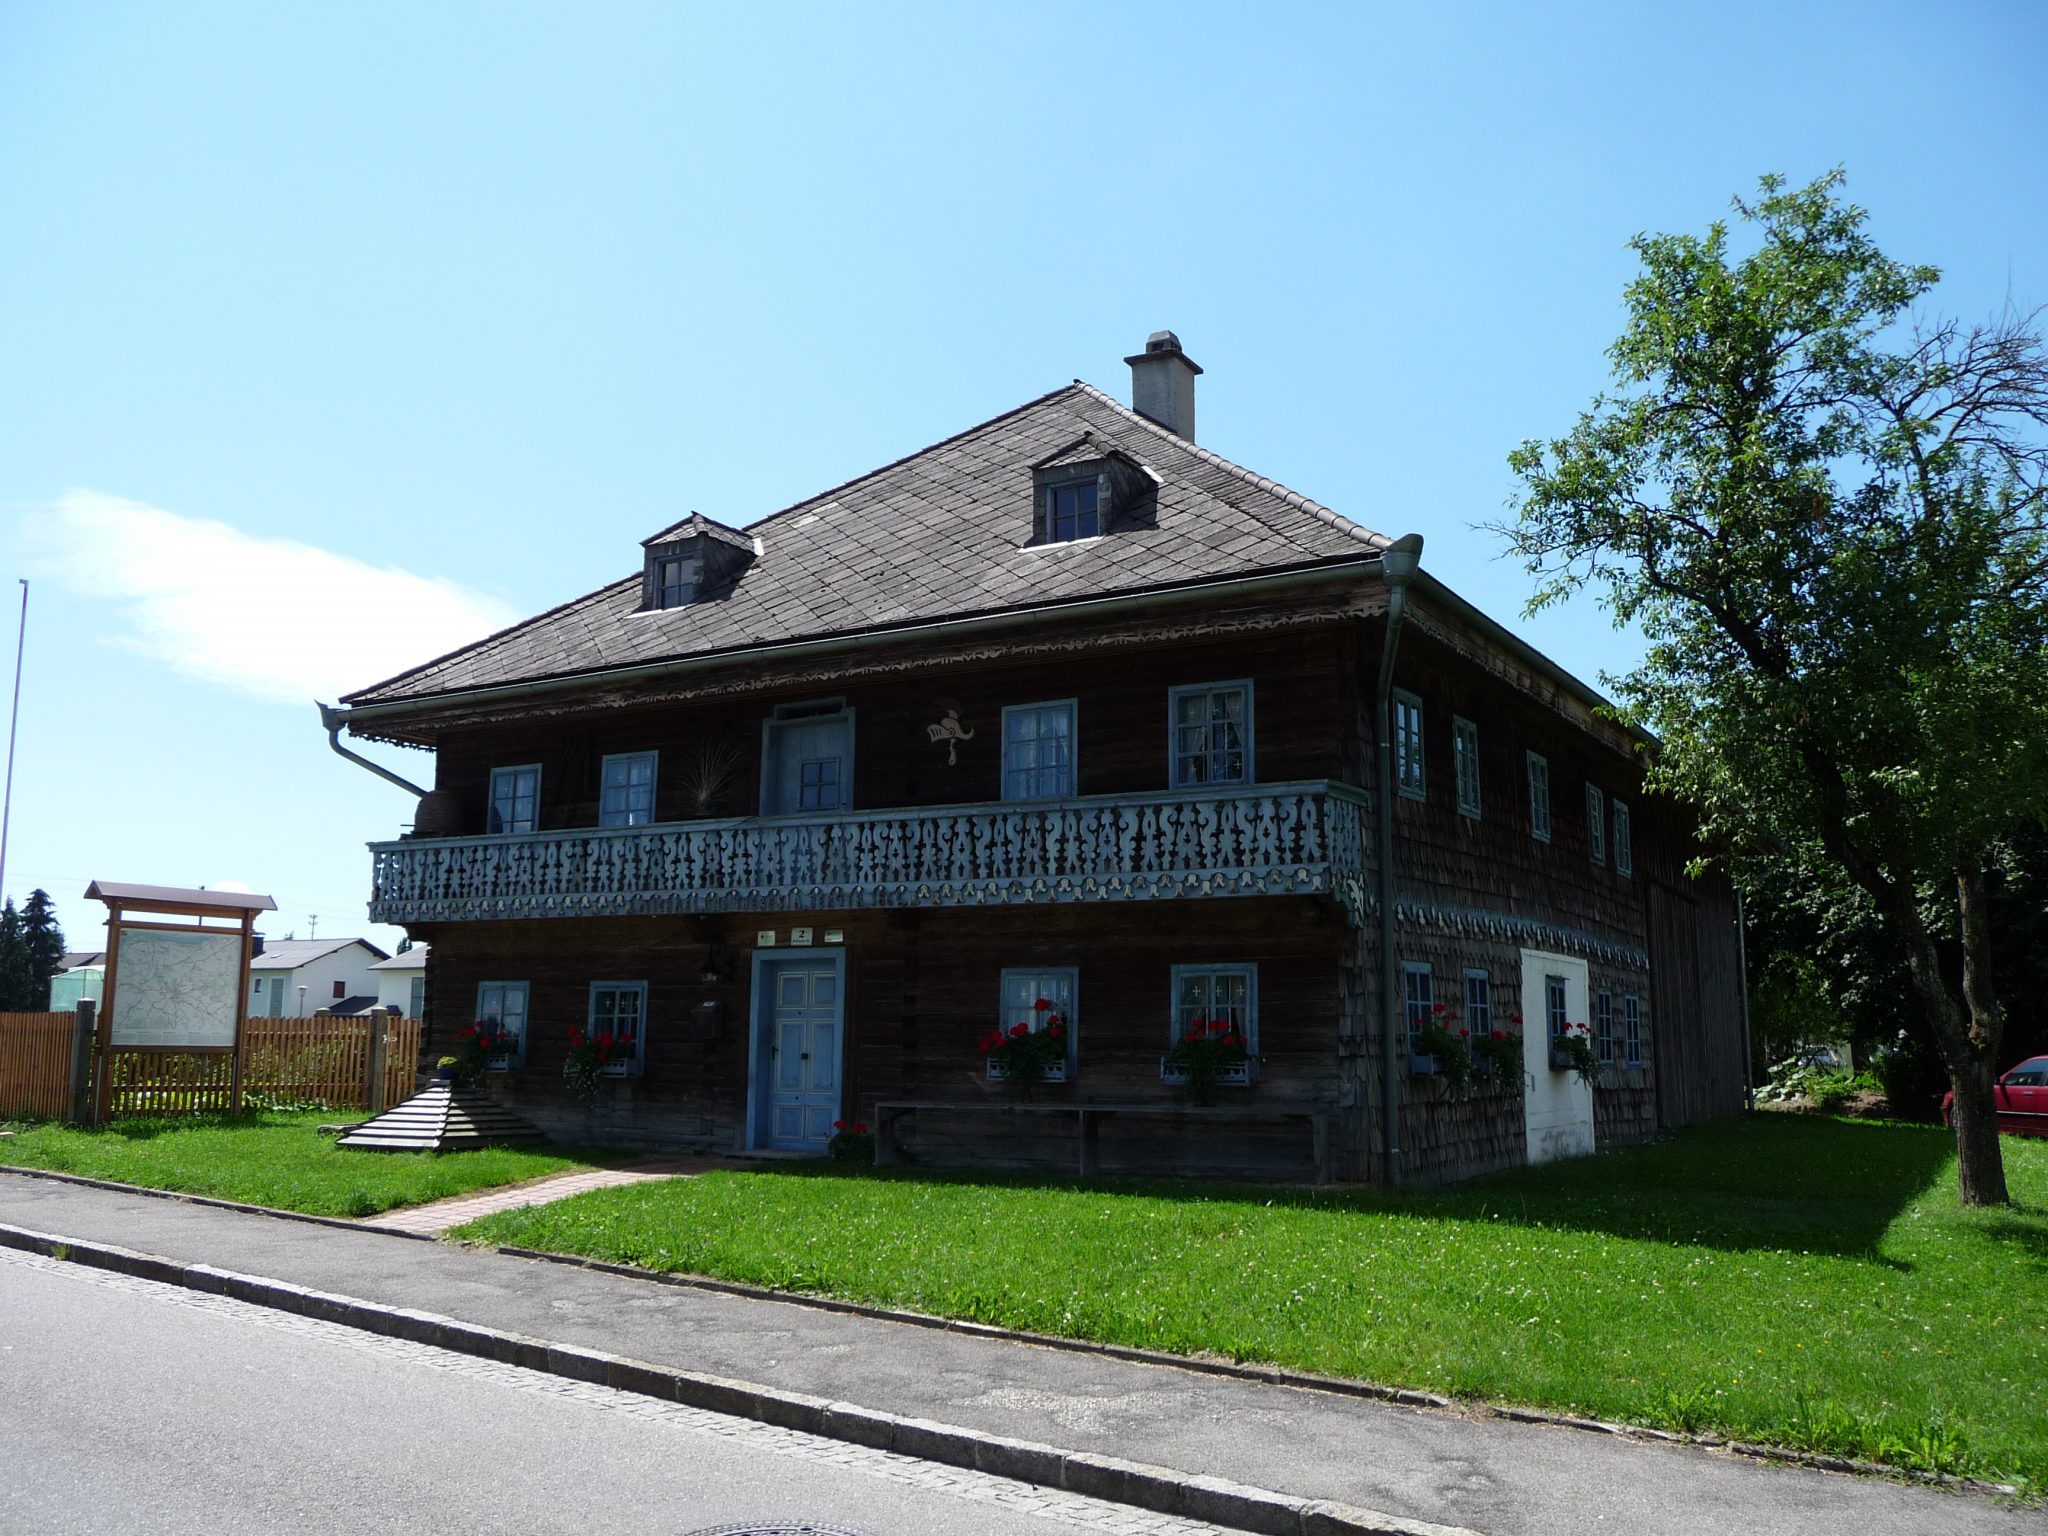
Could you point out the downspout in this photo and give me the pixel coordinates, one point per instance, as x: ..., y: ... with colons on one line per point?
x: 332, y: 719
x: 1742, y: 953
x: 1398, y: 565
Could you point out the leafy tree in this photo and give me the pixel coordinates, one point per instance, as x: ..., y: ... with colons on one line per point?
x: 1826, y: 515
x: 45, y: 942
x: 17, y: 973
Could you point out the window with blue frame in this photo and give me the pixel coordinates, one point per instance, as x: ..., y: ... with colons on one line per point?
x: 626, y: 798
x: 1478, y: 1014
x: 1408, y: 767
x: 1208, y: 995
x: 1539, y: 798
x: 503, y: 1003
x: 1603, y: 1026
x: 1632, y: 1030
x: 1038, y: 998
x: 1212, y: 734
x: 1554, y: 1017
x: 1418, y: 1003
x: 1596, y: 825
x: 1465, y: 759
x: 515, y: 799
x: 619, y: 1009
x: 1624, y: 842
x: 1038, y: 751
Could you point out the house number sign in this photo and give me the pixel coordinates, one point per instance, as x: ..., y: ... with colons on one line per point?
x: 799, y: 936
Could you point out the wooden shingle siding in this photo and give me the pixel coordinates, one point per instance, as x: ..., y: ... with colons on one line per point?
x: 1121, y: 743
x: 922, y: 990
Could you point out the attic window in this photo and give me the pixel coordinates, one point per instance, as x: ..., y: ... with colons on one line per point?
x: 1071, y: 511
x: 674, y: 582
x: 693, y: 561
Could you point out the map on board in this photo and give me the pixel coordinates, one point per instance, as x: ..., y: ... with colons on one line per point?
x: 176, y: 989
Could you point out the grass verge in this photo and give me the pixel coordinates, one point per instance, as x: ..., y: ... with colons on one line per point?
x: 1797, y: 1281
x: 273, y: 1158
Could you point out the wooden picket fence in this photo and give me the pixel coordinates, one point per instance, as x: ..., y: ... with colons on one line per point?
x: 328, y: 1059
x: 35, y: 1064
x: 290, y: 1059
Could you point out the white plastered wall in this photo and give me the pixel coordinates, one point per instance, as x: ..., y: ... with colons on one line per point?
x: 1559, y: 1108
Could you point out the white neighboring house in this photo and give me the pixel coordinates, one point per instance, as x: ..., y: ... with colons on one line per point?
x: 296, y: 978
x: 402, y: 981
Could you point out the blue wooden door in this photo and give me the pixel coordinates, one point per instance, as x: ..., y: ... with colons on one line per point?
x: 803, y: 1069
x: 810, y: 766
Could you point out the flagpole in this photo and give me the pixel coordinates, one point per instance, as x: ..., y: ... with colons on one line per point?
x: 13, y: 720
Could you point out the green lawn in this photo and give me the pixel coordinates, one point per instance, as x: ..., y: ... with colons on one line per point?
x: 1802, y: 1281
x: 276, y: 1159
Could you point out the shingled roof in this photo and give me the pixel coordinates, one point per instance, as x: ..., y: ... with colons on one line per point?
x: 943, y: 533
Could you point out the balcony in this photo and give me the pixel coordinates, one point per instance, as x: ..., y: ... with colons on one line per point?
x: 1253, y: 840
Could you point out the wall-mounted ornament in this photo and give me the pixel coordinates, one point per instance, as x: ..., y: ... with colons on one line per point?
x: 949, y: 730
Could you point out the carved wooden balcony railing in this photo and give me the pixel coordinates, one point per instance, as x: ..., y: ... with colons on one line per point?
x: 1255, y: 840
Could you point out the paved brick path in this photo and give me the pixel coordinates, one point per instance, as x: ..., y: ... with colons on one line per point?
x: 442, y: 1215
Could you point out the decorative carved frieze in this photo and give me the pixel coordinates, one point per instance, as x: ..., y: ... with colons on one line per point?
x: 1257, y: 840
x: 1468, y: 922
x: 888, y: 657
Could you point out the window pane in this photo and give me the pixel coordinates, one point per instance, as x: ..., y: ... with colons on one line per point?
x: 1038, y: 752
x: 1209, y: 735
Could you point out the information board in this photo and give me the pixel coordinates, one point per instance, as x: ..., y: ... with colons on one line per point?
x: 176, y: 989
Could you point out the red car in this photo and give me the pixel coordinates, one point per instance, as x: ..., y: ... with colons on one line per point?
x: 2022, y: 1099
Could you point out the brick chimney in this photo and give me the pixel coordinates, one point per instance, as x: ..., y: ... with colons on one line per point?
x: 1163, y: 384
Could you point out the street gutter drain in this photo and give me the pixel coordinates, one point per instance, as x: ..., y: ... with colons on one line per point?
x: 774, y: 1528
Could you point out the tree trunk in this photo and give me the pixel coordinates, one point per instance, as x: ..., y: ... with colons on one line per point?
x: 1980, y: 1164
x: 1968, y: 1052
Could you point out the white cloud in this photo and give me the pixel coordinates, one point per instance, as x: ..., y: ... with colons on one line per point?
x: 281, y: 620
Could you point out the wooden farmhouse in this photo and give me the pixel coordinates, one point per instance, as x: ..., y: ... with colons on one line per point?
x: 1062, y: 717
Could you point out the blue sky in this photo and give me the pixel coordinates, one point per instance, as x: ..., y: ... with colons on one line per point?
x: 333, y: 335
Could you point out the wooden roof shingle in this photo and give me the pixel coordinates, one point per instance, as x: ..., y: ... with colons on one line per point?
x: 942, y: 533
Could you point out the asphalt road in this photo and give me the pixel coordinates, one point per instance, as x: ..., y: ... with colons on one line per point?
x: 130, y: 1406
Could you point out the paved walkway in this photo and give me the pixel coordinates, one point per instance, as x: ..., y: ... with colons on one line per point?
x: 445, y: 1215
x: 1503, y: 1478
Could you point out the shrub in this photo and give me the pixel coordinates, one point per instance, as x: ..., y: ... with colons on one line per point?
x: 1447, y: 1047
x: 1501, y: 1054
x: 852, y: 1142
x: 1024, y: 1055
x: 1912, y: 1077
x: 1206, y: 1050
x: 589, y: 1055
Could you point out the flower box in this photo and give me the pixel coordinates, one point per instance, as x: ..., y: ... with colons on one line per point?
x: 1055, y: 1072
x: 1238, y: 1075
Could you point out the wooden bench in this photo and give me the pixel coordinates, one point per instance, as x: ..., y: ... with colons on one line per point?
x: 1089, y: 1118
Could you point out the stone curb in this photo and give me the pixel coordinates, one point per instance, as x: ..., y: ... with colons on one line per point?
x: 1207, y: 1365
x: 1215, y: 1500
x: 1271, y: 1375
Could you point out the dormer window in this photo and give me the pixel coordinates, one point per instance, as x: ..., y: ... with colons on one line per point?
x: 1071, y: 512
x: 1088, y: 489
x: 675, y: 581
x: 696, y: 559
